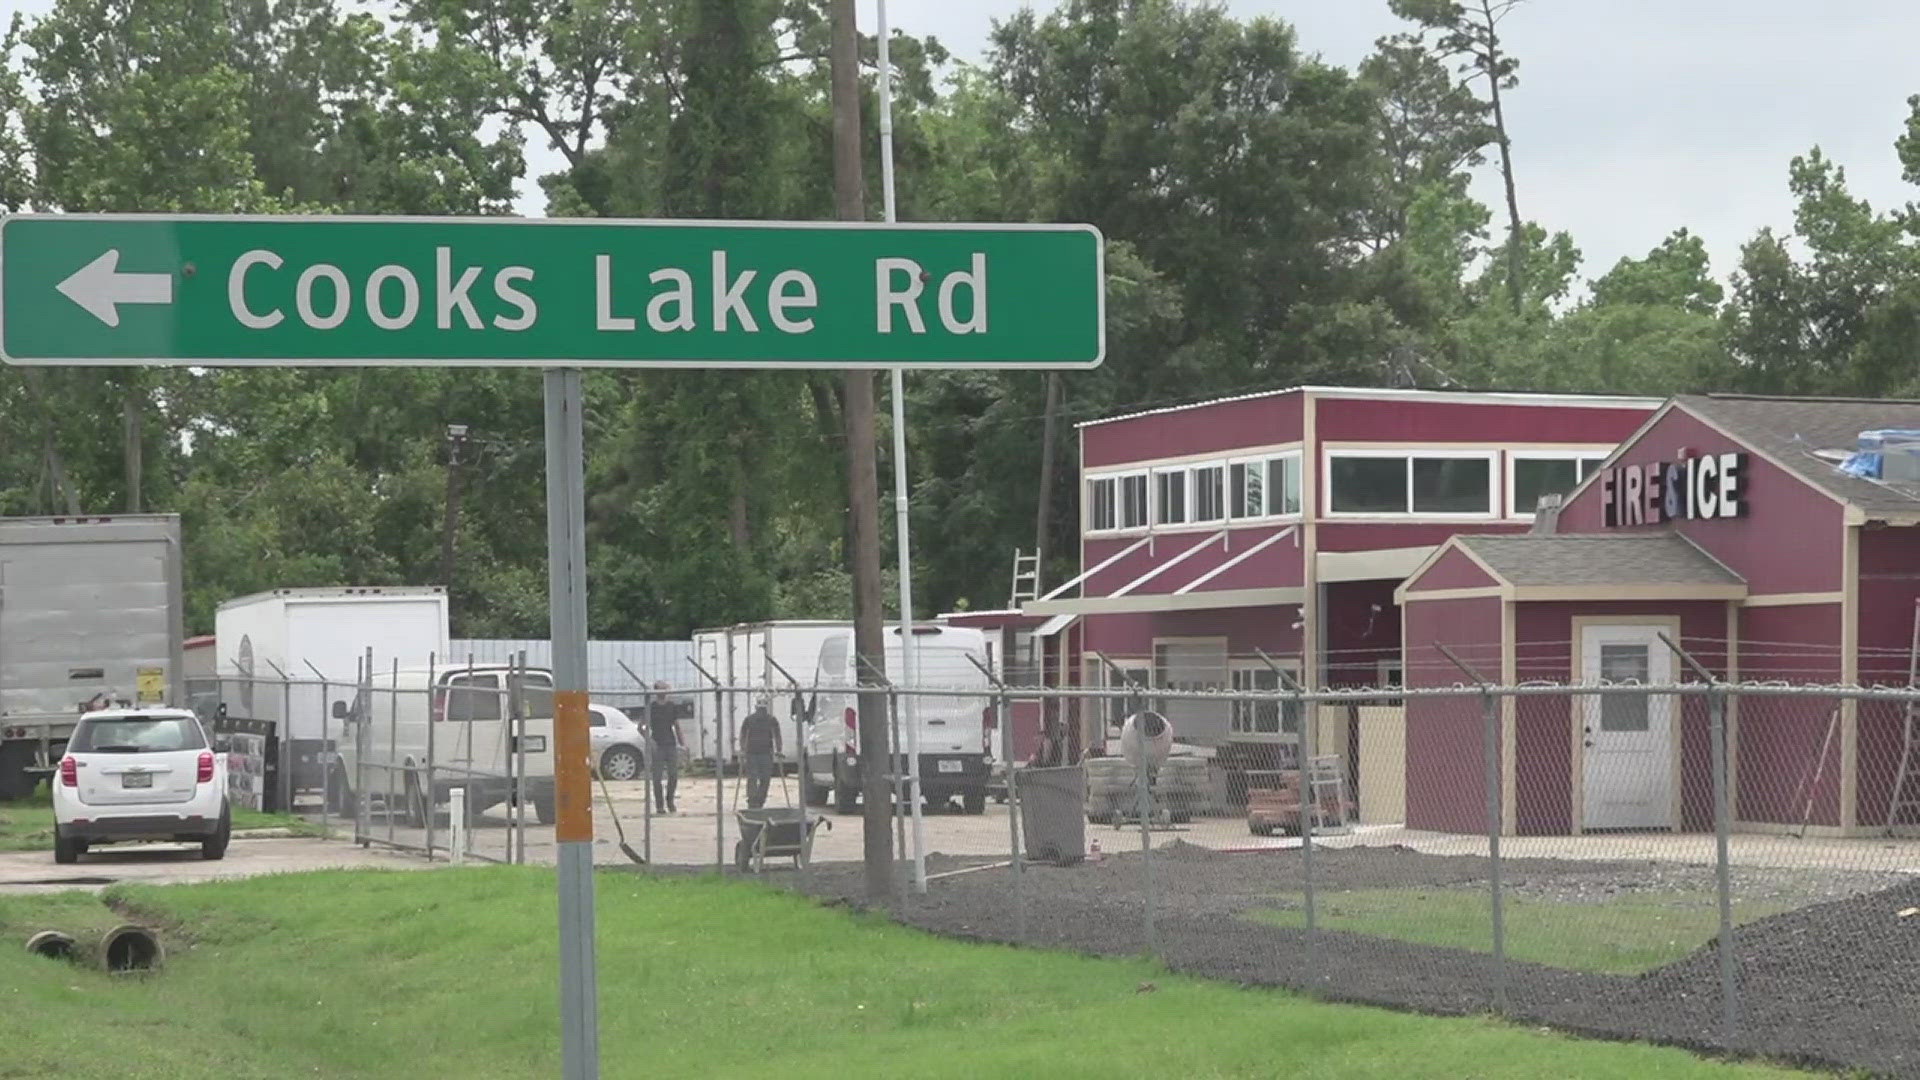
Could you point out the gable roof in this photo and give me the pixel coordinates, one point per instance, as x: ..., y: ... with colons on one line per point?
x: 1459, y: 397
x: 1574, y: 559
x: 1788, y: 431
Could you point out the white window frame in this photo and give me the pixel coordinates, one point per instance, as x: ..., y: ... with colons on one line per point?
x: 1193, y: 493
x: 1118, y: 479
x: 1113, y: 500
x: 1594, y: 456
x: 1154, y: 503
x: 1267, y: 512
x: 1410, y: 455
x: 1241, y: 720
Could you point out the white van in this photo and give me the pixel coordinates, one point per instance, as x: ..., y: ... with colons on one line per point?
x: 955, y: 732
x: 466, y: 721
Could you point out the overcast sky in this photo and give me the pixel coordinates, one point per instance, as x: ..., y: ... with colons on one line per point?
x: 1633, y: 117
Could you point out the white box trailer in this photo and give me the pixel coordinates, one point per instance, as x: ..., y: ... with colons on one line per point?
x: 751, y: 655
x: 307, y: 634
x: 90, y: 617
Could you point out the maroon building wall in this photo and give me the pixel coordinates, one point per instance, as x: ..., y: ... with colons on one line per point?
x: 1790, y: 542
x: 1446, y: 788
x: 1454, y: 570
x: 1246, y: 629
x: 1779, y: 739
x: 1220, y: 427
x: 1544, y: 726
x: 1427, y: 420
x: 1889, y: 585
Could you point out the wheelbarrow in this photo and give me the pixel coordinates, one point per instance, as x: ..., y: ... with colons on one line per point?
x: 775, y: 833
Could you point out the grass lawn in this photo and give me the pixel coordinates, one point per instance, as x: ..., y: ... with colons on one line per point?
x: 451, y: 973
x: 1624, y: 935
x: 25, y: 826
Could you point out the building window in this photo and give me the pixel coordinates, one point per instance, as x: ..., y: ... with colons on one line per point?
x: 1170, y: 497
x: 1209, y: 493
x: 1264, y: 487
x: 1133, y: 501
x: 1247, y: 489
x: 1535, y: 475
x: 1435, y: 484
x: 1283, y: 484
x: 1101, y: 511
x: 1258, y: 717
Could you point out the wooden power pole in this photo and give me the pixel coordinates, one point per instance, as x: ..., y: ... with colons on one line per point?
x: 863, y: 480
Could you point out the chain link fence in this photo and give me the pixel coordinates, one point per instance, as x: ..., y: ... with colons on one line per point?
x: 1704, y: 863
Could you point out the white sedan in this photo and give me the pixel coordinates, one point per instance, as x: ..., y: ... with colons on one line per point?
x: 140, y: 774
x: 619, y: 749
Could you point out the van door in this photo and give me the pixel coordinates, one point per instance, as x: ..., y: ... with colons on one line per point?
x: 946, y: 724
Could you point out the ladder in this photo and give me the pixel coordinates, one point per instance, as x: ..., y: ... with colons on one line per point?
x: 1898, y: 799
x: 1026, y: 577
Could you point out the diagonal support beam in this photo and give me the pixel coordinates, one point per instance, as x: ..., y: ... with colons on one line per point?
x: 1236, y: 560
x: 1102, y: 565
x: 1168, y: 565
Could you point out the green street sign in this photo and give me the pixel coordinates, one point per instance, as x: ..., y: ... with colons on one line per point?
x: 137, y: 289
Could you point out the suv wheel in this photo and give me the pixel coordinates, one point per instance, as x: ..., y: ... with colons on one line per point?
x: 66, y: 850
x: 215, y: 846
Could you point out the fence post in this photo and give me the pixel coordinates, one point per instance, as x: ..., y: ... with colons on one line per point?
x: 1144, y: 806
x: 329, y: 754
x: 363, y: 741
x: 719, y: 765
x: 1309, y: 816
x: 1722, y: 830
x: 1490, y: 748
x: 393, y: 749
x: 457, y: 825
x: 286, y: 744
x: 1003, y: 709
x: 430, y: 796
x: 1722, y: 827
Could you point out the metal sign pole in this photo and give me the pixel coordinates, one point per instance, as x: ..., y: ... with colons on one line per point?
x: 910, y: 677
x: 573, y: 798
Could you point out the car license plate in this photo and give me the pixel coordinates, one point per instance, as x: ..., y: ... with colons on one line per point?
x: 136, y: 779
x: 952, y: 766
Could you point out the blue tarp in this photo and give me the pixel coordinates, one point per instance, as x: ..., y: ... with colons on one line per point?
x: 1869, y: 460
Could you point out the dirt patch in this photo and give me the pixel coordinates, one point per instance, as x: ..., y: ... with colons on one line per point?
x: 1835, y: 982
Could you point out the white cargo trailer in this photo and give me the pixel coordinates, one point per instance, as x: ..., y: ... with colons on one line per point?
x: 758, y: 657
x: 311, y: 634
x: 90, y: 617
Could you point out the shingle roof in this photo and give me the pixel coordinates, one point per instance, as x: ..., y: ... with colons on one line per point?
x: 1661, y: 558
x: 1789, y: 430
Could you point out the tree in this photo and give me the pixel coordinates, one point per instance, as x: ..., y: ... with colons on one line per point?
x: 1470, y: 30
x: 1431, y: 130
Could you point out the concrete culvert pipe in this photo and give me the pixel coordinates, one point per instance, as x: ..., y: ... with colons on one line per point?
x: 130, y: 949
x: 51, y: 944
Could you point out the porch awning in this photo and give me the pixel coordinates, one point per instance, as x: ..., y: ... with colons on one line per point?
x: 1054, y: 625
x: 1152, y: 602
x: 1392, y: 564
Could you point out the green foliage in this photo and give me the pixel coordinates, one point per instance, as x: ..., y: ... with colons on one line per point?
x: 1271, y: 220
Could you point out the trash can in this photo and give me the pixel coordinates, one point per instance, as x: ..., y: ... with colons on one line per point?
x: 1053, y: 814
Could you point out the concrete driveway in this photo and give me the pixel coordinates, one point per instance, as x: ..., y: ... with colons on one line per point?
x: 168, y: 864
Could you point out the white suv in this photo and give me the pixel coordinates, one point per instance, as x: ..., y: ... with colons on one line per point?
x: 140, y: 774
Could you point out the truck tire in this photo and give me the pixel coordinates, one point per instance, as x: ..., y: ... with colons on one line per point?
x: 339, y: 796
x: 974, y: 801
x: 846, y: 793
x: 544, y: 809
x: 419, y: 808
x: 66, y: 851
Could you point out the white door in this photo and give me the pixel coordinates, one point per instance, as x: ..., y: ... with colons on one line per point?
x: 1627, y: 776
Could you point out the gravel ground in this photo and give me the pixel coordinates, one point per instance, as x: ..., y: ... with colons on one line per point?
x: 1836, y: 981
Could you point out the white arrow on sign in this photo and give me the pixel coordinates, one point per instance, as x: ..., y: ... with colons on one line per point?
x: 101, y: 288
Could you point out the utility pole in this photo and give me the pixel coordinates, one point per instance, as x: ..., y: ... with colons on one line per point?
x: 863, y: 477
x: 1043, y: 523
x: 456, y: 441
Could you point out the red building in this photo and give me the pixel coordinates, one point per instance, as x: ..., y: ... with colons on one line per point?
x: 1727, y: 524
x: 1225, y: 538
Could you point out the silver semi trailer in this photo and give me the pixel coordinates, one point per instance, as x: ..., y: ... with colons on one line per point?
x: 91, y: 616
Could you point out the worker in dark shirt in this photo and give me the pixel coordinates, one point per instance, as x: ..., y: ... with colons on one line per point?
x: 759, y: 745
x: 663, y: 726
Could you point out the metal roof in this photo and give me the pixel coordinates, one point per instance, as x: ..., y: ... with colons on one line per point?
x: 1612, y: 559
x: 1483, y: 397
x: 1790, y: 430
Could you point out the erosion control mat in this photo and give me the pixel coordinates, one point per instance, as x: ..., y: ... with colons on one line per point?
x: 1832, y: 980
